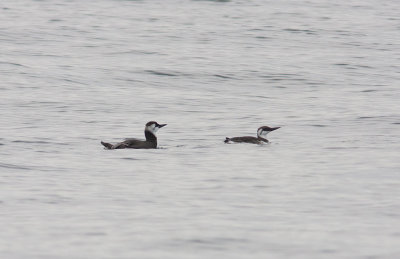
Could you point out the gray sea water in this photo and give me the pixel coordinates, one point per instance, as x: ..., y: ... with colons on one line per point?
x: 73, y: 73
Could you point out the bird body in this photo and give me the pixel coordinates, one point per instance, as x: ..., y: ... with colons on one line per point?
x: 260, y: 139
x: 246, y: 139
x: 151, y: 139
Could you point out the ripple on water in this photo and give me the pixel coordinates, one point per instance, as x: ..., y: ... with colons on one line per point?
x: 224, y: 76
x: 366, y: 117
x: 130, y: 158
x: 369, y: 91
x: 159, y: 73
x: 43, y: 142
x: 217, y: 240
x: 11, y: 63
x: 292, y: 30
x: 319, y: 125
x: 12, y: 166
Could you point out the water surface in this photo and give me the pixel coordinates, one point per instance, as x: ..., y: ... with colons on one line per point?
x: 77, y: 72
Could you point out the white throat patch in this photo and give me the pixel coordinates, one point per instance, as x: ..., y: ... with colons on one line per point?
x: 152, y: 128
x: 262, y: 133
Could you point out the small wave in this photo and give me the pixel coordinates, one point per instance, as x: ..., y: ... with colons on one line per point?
x: 12, y: 166
x: 224, y: 76
x: 263, y: 37
x: 217, y: 240
x: 300, y: 31
x: 337, y: 148
x: 366, y: 117
x: 259, y: 96
x: 261, y: 186
x: 12, y: 63
x: 38, y: 142
x: 363, y: 66
x: 55, y: 20
x: 93, y: 121
x: 133, y: 52
x: 180, y: 145
x: 283, y: 76
x: 68, y: 80
x: 31, y: 142
x: 158, y: 73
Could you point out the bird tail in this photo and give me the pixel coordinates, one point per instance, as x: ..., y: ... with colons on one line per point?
x: 107, y: 145
x: 227, y: 140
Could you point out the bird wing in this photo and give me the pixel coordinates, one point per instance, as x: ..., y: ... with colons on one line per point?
x: 246, y: 139
x: 132, y: 142
x: 138, y: 143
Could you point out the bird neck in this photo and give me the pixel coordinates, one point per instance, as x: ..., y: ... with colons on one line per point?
x: 150, y: 136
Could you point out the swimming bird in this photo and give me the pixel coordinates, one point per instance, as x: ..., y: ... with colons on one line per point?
x: 151, y: 140
x: 261, y: 136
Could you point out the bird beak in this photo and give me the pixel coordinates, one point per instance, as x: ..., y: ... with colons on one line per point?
x: 272, y: 129
x: 161, y: 125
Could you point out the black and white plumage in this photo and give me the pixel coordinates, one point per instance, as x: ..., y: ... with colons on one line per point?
x: 151, y: 140
x: 260, y: 139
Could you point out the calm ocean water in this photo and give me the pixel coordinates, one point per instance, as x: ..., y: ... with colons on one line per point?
x: 73, y: 73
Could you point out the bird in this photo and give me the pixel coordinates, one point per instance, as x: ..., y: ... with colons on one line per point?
x: 150, y: 130
x: 260, y: 139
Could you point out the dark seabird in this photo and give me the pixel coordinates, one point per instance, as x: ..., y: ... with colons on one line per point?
x: 151, y: 140
x: 261, y: 136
